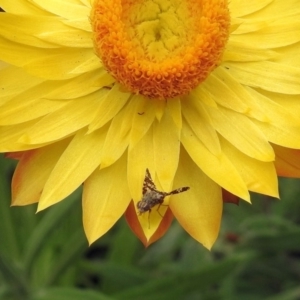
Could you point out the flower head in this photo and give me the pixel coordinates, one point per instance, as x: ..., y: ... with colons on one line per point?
x: 203, y: 94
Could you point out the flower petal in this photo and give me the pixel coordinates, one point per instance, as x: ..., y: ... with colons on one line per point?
x: 45, y: 63
x: 69, y: 9
x: 267, y: 75
x: 229, y: 198
x: 50, y: 32
x: 198, y: 210
x: 242, y: 133
x: 55, y: 126
x: 140, y: 157
x: 218, y: 168
x: 286, y: 136
x: 261, y: 107
x: 28, y: 106
x: 105, y: 200
x: 174, y: 108
x: 135, y: 225
x: 242, y: 8
x: 33, y: 171
x: 223, y: 94
x: 9, y: 88
x: 137, y: 165
x: 82, y: 85
x: 24, y: 8
x: 142, y: 119
x: 198, y: 119
x: 241, y: 49
x: 108, y: 107
x: 166, y: 142
x: 260, y: 177
x: 287, y: 161
x: 117, y: 138
x: 81, y: 158
x: 10, y: 135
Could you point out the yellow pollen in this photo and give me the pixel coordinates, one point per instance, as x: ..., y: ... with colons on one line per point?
x: 160, y: 48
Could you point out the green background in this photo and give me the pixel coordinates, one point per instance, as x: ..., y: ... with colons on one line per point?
x: 45, y: 256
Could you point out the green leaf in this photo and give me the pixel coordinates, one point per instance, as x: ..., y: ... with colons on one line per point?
x: 179, y: 285
x: 69, y: 294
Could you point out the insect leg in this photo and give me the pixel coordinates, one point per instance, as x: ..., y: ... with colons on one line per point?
x: 149, y: 218
x: 158, y: 209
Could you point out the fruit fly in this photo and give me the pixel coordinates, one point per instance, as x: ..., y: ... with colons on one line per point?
x: 153, y: 197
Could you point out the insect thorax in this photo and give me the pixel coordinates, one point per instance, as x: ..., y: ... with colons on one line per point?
x: 149, y: 200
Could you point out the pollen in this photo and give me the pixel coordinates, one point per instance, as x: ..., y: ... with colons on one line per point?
x: 160, y: 49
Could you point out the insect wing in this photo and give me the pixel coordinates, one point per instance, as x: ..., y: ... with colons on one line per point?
x: 148, y: 183
x: 178, y: 191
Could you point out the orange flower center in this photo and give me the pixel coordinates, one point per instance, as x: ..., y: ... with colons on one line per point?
x: 160, y: 48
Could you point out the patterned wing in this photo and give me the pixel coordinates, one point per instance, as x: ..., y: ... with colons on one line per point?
x: 148, y: 183
x: 180, y: 190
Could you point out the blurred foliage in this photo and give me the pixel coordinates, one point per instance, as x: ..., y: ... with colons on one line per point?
x: 45, y: 256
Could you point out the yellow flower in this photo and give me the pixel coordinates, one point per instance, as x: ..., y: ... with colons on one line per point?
x: 204, y: 94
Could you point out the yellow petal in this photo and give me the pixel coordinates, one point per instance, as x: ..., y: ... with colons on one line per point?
x: 199, y: 209
x: 25, y: 29
x: 73, y: 116
x: 68, y: 36
x: 174, y: 107
x: 137, y: 165
x: 277, y: 114
x: 23, y: 8
x: 104, y: 199
x: 51, y: 30
x: 67, y: 9
x: 260, y: 177
x: 239, y: 48
x: 223, y: 94
x: 254, y: 109
x: 159, y: 108
x: 77, y: 162
x: 135, y: 225
x: 117, y: 138
x: 283, y: 8
x: 286, y: 136
x: 140, y: 157
x: 93, y: 63
x: 33, y: 171
x: 9, y: 136
x: 289, y: 55
x: 290, y: 103
x: 267, y: 75
x: 108, y: 107
x: 261, y: 107
x: 79, y: 86
x: 242, y: 133
x: 241, y: 8
x: 204, y: 95
x: 143, y: 118
x: 218, y: 168
x: 199, y: 121
x: 28, y: 106
x: 278, y: 33
x: 166, y: 141
x: 47, y: 63
x: 9, y: 87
